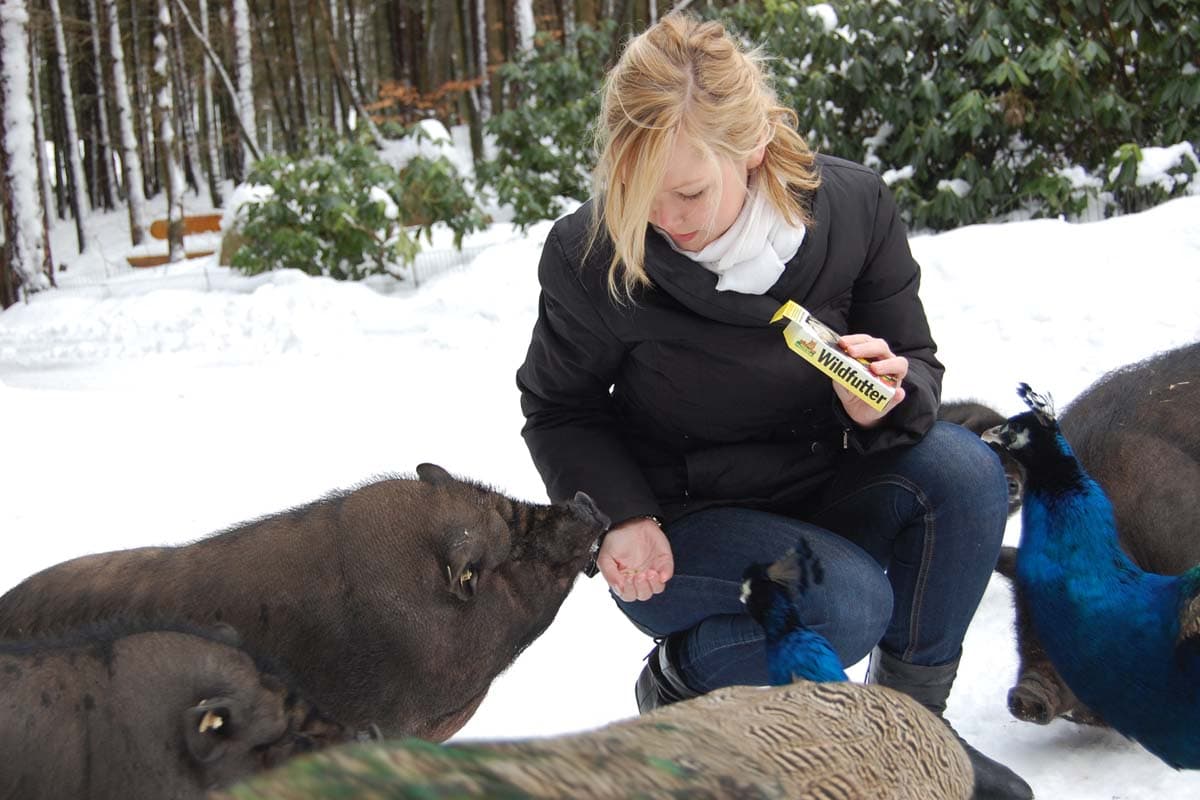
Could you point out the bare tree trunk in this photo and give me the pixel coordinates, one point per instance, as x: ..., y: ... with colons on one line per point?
x: 245, y: 79
x: 439, y: 44
x: 498, y: 34
x: 23, y: 256
x: 297, y: 72
x: 40, y: 148
x: 185, y: 105
x: 337, y: 104
x: 567, y: 10
x: 77, y: 188
x: 470, y: 70
x: 131, y: 161
x: 586, y: 13
x: 353, y: 34
x: 416, y: 30
x: 219, y: 113
x: 524, y: 25
x: 166, y: 134
x: 83, y: 82
x: 249, y: 140
x: 340, y: 74
x: 480, y: 37
x: 39, y: 130
x: 211, y: 131
x: 280, y: 101
x: 145, y: 127
x: 58, y: 138
x: 104, y: 151
x: 318, y: 96
x: 394, y: 9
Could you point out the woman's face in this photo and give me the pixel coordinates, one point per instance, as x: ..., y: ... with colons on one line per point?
x: 699, y: 199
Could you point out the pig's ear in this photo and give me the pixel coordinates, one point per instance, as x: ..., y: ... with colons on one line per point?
x: 470, y: 554
x: 432, y: 473
x: 463, y: 570
x: 209, y: 728
x: 464, y: 566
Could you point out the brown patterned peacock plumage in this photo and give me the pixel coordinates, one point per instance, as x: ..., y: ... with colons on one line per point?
x: 833, y: 741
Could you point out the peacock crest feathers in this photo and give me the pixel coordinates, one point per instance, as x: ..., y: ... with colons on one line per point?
x: 1042, y: 405
x: 773, y: 589
x: 1035, y: 440
x: 798, y: 570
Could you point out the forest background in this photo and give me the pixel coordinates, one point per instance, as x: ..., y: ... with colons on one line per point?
x: 1077, y: 109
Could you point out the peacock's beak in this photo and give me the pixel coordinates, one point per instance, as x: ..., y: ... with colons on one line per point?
x: 994, y: 435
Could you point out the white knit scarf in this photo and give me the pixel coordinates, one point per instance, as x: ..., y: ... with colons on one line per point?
x: 751, y: 255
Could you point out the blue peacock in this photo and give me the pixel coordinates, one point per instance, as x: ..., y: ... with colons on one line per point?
x: 770, y: 592
x: 1126, y: 641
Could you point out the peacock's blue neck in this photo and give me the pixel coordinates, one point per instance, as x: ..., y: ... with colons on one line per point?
x: 796, y: 651
x: 1068, y: 520
x: 1083, y: 532
x: 804, y: 654
x: 1081, y: 585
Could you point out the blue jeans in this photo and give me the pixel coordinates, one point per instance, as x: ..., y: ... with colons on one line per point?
x: 907, y: 539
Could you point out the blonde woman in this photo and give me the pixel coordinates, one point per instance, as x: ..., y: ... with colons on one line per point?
x: 656, y: 383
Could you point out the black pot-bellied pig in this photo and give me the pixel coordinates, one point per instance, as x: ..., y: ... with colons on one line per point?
x: 162, y: 711
x: 395, y: 604
x: 1137, y: 432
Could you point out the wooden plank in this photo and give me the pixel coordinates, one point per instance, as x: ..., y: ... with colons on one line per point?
x: 200, y: 223
x: 158, y: 259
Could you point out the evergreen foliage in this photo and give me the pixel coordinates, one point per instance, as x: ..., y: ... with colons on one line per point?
x: 341, y: 211
x: 972, y: 111
x: 544, y: 146
x: 984, y: 110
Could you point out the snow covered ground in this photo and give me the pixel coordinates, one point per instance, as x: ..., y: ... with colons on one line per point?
x: 154, y: 406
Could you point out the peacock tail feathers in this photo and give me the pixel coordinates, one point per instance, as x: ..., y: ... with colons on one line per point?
x: 805, y: 740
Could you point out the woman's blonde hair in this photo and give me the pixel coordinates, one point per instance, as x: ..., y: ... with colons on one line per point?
x: 684, y: 77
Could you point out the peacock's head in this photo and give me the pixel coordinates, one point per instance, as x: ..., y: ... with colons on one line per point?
x: 1031, y: 434
x: 784, y: 580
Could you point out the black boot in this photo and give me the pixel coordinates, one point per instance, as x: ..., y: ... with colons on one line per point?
x: 660, y: 682
x: 930, y: 686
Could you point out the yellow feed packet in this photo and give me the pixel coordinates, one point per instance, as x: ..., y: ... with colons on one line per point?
x: 816, y: 343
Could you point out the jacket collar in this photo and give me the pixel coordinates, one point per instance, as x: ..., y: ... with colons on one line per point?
x: 695, y: 287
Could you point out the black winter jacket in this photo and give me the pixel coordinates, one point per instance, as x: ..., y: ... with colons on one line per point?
x: 688, y: 397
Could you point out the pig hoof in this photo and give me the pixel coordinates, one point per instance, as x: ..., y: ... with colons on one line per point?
x: 1025, y: 705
